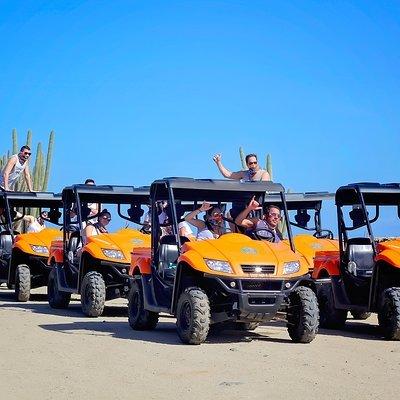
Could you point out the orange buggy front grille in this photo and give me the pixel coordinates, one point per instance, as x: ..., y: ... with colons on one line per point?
x: 258, y: 269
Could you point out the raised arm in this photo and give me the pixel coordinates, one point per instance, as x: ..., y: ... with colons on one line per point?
x: 191, y: 217
x: 224, y: 171
x: 7, y: 170
x: 242, y: 219
x: 28, y: 179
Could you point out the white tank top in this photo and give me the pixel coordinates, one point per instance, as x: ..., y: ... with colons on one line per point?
x: 15, y: 172
x: 35, y: 227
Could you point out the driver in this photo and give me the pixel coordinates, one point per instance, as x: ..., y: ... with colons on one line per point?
x: 269, y: 221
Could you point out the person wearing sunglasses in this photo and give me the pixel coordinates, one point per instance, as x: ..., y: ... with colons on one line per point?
x: 253, y: 173
x: 213, y: 225
x: 16, y: 165
x: 98, y: 227
x: 264, y: 228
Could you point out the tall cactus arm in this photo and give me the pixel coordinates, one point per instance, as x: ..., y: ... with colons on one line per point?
x: 269, y: 166
x: 48, y: 161
x: 242, y: 157
x: 14, y: 141
x: 29, y: 138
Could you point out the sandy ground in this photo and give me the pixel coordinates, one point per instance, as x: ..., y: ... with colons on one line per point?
x: 60, y: 354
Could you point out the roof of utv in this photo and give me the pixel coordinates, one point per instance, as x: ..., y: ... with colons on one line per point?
x: 301, y: 201
x: 107, y: 193
x: 373, y: 193
x: 211, y: 189
x: 30, y: 199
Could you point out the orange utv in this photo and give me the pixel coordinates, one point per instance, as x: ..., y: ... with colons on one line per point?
x: 23, y: 256
x: 232, y: 279
x: 96, y: 267
x: 363, y: 276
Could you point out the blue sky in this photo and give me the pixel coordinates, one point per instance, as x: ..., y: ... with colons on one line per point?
x: 138, y: 90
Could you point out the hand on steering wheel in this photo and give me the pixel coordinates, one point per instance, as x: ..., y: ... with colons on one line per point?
x: 323, y: 234
x: 260, y: 237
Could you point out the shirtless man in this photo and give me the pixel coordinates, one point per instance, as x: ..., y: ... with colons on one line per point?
x: 253, y: 173
x: 16, y: 165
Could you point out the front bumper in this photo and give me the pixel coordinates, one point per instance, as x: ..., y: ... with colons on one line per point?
x: 259, y: 299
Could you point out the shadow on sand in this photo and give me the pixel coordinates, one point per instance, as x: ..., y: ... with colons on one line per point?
x: 165, y: 333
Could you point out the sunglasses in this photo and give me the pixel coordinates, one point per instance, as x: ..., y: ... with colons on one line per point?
x: 252, y: 163
x: 216, y: 214
x: 274, y: 215
x: 26, y: 153
x: 106, y: 218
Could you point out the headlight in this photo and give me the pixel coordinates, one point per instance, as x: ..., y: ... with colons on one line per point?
x: 39, y: 249
x: 291, y: 267
x: 110, y: 253
x: 218, y: 265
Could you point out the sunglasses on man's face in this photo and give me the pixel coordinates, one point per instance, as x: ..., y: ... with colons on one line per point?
x: 106, y: 218
x: 274, y: 215
x: 252, y: 163
x: 26, y: 153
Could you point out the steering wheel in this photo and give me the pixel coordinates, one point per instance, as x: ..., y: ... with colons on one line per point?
x: 260, y: 237
x: 145, y: 231
x: 323, y: 234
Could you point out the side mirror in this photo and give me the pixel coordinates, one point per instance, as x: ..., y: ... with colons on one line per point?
x: 302, y: 218
x: 135, y: 212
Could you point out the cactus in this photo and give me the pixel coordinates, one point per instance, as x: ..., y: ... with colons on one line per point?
x: 48, y: 161
x: 242, y: 158
x: 268, y: 166
x: 14, y: 141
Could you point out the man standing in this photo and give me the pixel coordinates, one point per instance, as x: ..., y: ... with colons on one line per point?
x: 267, y: 227
x: 16, y: 165
x: 253, y: 173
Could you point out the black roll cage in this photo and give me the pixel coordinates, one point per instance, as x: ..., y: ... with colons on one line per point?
x: 26, y: 200
x: 364, y: 194
x: 169, y: 188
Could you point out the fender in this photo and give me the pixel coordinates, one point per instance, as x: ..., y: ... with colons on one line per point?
x: 141, y: 258
x: 392, y: 257
x: 328, y: 262
x: 196, y: 261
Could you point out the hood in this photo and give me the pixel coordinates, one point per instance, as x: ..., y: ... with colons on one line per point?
x: 124, y: 240
x: 241, y: 250
x: 391, y: 244
x: 42, y: 238
x: 24, y: 241
x: 308, y: 245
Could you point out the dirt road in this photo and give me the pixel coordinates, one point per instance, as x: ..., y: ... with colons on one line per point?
x: 60, y: 354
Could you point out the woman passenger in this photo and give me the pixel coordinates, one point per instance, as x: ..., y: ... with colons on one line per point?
x: 213, y: 225
x: 98, y: 227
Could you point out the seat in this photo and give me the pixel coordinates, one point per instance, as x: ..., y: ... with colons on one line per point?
x: 6, y: 243
x: 74, y: 244
x: 360, y: 251
x: 168, y: 254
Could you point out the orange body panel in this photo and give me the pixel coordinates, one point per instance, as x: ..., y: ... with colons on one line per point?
x: 235, y: 248
x: 326, y: 262
x: 122, y: 240
x: 389, y: 251
x: 308, y: 245
x: 24, y: 241
x: 141, y: 257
